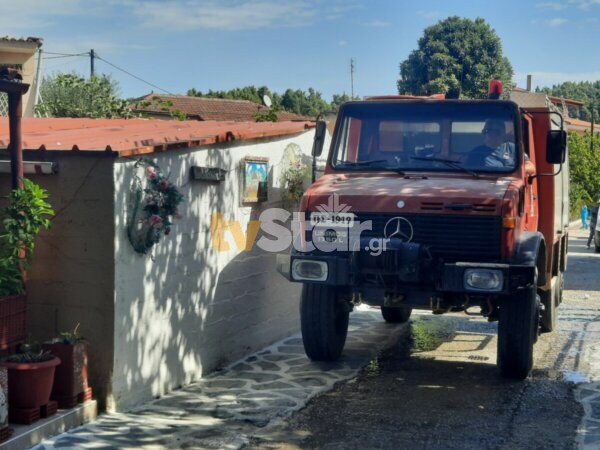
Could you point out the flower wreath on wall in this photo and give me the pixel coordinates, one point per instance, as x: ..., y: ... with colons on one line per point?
x: 153, y: 207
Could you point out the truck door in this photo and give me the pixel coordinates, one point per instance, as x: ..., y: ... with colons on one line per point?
x: 531, y: 211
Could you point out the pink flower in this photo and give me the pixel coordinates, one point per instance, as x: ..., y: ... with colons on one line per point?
x: 155, y: 221
x: 164, y: 184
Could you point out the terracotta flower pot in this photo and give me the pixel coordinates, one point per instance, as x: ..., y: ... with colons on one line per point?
x: 30, y: 384
x: 71, y: 376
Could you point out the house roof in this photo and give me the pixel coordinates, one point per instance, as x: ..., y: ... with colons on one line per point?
x: 202, y: 108
x: 580, y: 126
x: 127, y: 137
x: 18, y: 45
x: 556, y: 100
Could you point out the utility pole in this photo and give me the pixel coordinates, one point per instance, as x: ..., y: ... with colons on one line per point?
x: 92, y: 56
x: 352, y: 78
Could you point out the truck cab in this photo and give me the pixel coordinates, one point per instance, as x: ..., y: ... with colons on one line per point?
x: 436, y: 204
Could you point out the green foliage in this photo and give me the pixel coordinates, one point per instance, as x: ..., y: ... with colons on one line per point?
x: 25, y: 215
x: 584, y: 166
x: 297, y: 101
x: 293, y: 179
x: 456, y: 56
x: 428, y: 333
x: 29, y: 353
x: 305, y: 104
x: 251, y: 93
x: 70, y: 337
x: 269, y: 116
x: 164, y: 105
x: 584, y: 91
x: 70, y: 95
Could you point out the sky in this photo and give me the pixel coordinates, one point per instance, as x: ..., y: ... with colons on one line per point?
x: 174, y: 45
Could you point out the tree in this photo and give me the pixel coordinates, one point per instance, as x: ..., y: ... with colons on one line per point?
x: 297, y: 101
x: 456, y: 56
x: 251, y: 93
x: 70, y: 95
x: 584, y: 91
x: 584, y: 167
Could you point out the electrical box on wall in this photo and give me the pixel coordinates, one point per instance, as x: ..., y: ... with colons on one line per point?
x: 214, y: 174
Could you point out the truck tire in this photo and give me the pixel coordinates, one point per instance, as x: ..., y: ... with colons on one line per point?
x: 517, y: 332
x: 551, y: 299
x: 560, y: 283
x: 395, y: 315
x: 324, y: 322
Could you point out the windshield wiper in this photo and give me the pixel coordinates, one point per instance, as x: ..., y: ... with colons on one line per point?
x: 369, y: 162
x: 449, y: 162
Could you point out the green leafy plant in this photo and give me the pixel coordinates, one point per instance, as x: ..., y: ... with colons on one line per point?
x: 71, y: 337
x: 293, y: 181
x: 23, y: 218
x: 269, y: 116
x: 30, y: 353
x: 72, y: 95
x: 68, y: 337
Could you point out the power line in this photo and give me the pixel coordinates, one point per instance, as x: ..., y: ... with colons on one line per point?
x: 131, y: 75
x: 62, y: 65
x: 66, y: 54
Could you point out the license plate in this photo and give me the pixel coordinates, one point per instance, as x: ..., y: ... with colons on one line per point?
x: 332, y: 219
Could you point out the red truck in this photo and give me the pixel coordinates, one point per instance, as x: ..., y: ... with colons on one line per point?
x: 437, y: 204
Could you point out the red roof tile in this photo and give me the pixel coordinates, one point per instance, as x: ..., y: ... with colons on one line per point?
x: 136, y: 136
x: 202, y: 108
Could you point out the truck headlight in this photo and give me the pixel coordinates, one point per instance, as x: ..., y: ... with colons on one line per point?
x: 483, y: 280
x: 308, y: 270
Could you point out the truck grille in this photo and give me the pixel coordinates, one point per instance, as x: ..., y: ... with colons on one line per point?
x: 449, y: 237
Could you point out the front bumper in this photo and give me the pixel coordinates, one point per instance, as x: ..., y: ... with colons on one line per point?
x: 342, y: 270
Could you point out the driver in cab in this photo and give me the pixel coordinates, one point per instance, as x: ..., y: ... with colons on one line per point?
x: 495, y: 151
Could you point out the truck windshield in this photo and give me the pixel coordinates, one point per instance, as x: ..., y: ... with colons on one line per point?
x: 457, y: 136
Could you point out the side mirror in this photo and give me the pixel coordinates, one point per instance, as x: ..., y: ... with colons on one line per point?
x: 556, y: 146
x: 319, y: 140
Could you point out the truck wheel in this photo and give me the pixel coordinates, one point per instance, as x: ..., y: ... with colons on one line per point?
x: 324, y: 322
x: 551, y: 299
x: 395, y: 315
x: 560, y: 282
x: 517, y: 332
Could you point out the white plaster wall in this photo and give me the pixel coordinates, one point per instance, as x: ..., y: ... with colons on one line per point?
x: 186, y: 309
x: 24, y: 54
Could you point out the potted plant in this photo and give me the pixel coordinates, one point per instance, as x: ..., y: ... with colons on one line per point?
x: 22, y: 218
x: 293, y: 181
x: 5, y: 430
x: 30, y: 379
x: 71, y: 378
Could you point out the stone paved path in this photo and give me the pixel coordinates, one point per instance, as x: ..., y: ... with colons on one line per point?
x: 224, y: 409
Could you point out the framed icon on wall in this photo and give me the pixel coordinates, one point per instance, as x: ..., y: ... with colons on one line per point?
x: 255, y: 179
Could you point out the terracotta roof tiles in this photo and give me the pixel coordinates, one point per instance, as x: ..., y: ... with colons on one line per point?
x: 137, y: 136
x: 201, y: 108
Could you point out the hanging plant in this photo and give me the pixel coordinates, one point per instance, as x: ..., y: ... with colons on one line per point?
x: 153, y: 207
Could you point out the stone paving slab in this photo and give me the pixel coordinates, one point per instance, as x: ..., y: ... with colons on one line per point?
x: 224, y: 409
